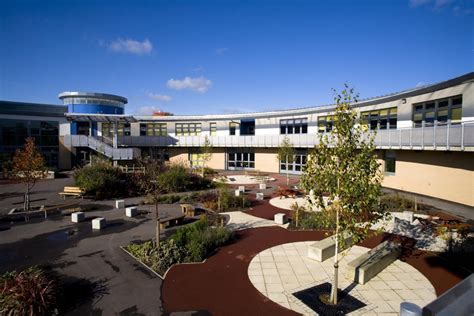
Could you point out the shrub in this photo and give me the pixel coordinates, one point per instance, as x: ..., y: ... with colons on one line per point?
x: 228, y: 201
x: 29, y: 292
x: 175, y: 179
x: 200, y: 239
x: 192, y: 243
x: 101, y: 179
x: 309, y: 220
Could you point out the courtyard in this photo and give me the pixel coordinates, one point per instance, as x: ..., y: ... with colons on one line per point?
x: 254, y: 274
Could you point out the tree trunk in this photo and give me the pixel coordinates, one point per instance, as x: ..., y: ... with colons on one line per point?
x: 157, y: 236
x: 287, y: 175
x: 333, y: 298
x: 26, y: 206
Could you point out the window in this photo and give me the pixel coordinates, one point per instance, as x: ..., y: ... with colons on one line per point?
x: 213, y: 129
x: 188, y: 129
x: 153, y: 129
x: 196, y: 159
x: 107, y: 130
x: 390, y: 162
x: 438, y: 112
x: 240, y: 159
x: 294, y: 126
x: 325, y: 123
x: 123, y: 129
x: 297, y: 165
x: 247, y: 127
x: 232, y: 128
x: 380, y: 119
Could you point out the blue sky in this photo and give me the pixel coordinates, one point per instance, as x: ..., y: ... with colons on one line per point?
x: 192, y: 57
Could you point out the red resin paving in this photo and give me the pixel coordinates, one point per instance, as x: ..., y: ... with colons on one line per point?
x: 222, y: 287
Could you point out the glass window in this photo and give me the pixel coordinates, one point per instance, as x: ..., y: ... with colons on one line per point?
x: 380, y: 119
x: 213, y: 129
x: 232, y: 128
x: 390, y: 162
x: 240, y: 158
x: 188, y: 129
x: 440, y: 112
x: 294, y: 126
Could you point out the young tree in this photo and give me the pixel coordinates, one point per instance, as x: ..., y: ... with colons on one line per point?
x: 345, y: 165
x: 29, y: 167
x: 148, y: 182
x: 206, y: 153
x: 287, y: 153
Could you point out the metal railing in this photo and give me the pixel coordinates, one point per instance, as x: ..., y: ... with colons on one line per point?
x: 459, y: 137
x: 101, y: 147
x: 447, y: 137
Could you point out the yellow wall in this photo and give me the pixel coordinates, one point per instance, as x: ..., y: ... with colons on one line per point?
x: 266, y: 160
x: 443, y: 175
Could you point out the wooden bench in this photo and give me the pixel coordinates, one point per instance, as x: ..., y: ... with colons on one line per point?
x: 287, y: 192
x: 324, y: 249
x: 73, y: 191
x: 369, y: 264
x: 171, y: 221
x: 188, y: 210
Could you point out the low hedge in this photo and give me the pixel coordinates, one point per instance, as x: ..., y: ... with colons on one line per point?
x: 191, y: 243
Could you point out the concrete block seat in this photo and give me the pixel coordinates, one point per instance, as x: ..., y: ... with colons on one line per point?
x: 119, y: 203
x: 280, y: 218
x: 259, y: 196
x: 324, y: 249
x: 238, y: 192
x: 262, y: 186
x: 369, y: 264
x: 77, y: 217
x: 98, y: 223
x: 242, y: 188
x: 131, y: 211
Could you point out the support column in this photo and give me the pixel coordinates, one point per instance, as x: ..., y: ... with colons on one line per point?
x: 115, y: 140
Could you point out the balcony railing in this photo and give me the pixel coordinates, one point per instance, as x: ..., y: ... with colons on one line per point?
x: 101, y: 147
x: 448, y: 137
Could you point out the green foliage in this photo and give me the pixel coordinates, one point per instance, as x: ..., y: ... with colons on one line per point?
x: 175, y: 178
x: 345, y: 165
x: 228, y: 201
x: 101, y: 179
x: 286, y: 151
x: 200, y: 239
x: 29, y: 292
x: 206, y: 154
x: 315, y: 220
x: 191, y: 243
x: 396, y: 203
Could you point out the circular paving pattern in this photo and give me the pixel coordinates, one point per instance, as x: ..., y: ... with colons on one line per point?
x: 279, y: 271
x: 243, y: 179
x: 286, y: 203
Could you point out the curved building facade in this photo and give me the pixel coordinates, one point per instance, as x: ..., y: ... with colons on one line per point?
x: 91, y: 103
x: 424, y: 137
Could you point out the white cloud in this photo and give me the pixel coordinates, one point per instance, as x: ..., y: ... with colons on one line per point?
x: 159, y: 97
x: 147, y: 110
x: 198, y: 69
x: 441, y: 3
x: 417, y: 3
x: 421, y: 84
x: 199, y: 84
x: 221, y: 50
x: 131, y: 46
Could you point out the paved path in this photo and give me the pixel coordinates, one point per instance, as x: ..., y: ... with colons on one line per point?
x: 101, y: 279
x: 240, y: 220
x: 221, y: 285
x: 282, y: 270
